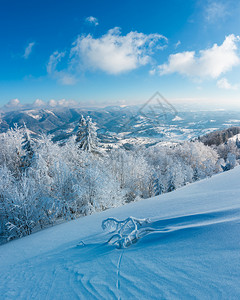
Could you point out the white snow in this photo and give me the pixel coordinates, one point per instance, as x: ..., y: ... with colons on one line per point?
x: 235, y: 137
x: 177, y: 118
x: 234, y: 121
x: 194, y: 253
x: 34, y: 114
x: 50, y: 112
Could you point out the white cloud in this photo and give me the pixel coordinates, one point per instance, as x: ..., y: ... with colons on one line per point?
x: 54, y: 59
x: 52, y: 103
x: 112, y: 53
x: 92, y: 20
x: 13, y: 103
x: 177, y: 44
x: 115, y: 53
x: 211, y: 62
x: 223, y: 83
x: 152, y: 72
x: 66, y: 78
x: 215, y: 11
x: 28, y: 50
x: 67, y: 103
x: 62, y: 103
x: 38, y: 103
x: 62, y: 76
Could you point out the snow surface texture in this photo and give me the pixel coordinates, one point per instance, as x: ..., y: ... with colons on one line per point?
x: 194, y: 253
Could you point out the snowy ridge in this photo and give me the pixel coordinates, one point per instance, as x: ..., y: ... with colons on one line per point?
x: 194, y: 253
x: 120, y: 124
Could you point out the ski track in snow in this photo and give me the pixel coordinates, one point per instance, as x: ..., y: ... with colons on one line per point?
x: 193, y: 255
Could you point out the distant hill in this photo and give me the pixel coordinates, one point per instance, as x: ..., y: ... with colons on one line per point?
x: 220, y: 136
x: 134, y: 124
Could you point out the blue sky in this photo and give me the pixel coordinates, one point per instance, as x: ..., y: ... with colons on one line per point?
x: 119, y: 52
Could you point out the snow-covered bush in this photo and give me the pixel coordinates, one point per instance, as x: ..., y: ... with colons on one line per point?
x: 23, y: 208
x: 126, y: 232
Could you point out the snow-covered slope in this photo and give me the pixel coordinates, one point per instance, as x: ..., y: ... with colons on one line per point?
x: 194, y: 254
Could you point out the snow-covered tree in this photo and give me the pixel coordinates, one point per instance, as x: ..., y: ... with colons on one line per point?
x: 87, y: 135
x: 28, y: 150
x: 231, y: 161
x: 7, y: 183
x: 23, y: 211
x: 62, y: 191
x: 99, y: 189
x: 11, y: 149
x: 81, y: 132
x: 157, y: 186
x: 238, y: 143
x: 132, y: 171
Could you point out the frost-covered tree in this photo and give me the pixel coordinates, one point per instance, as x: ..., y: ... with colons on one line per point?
x: 171, y: 184
x: 23, y: 208
x: 132, y: 171
x: 28, y: 150
x: 100, y: 190
x: 81, y: 132
x: 157, y: 186
x: 62, y: 191
x: 7, y: 183
x: 87, y: 135
x: 181, y: 163
x: 11, y: 149
x: 195, y: 174
x: 229, y: 147
x: 201, y: 158
x: 231, y: 162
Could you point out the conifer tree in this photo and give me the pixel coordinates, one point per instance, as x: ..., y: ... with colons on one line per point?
x: 28, y: 148
x: 157, y: 186
x: 171, y: 185
x: 195, y: 174
x: 81, y: 132
x: 87, y: 135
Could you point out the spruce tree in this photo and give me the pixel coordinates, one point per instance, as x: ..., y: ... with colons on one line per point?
x: 157, y: 186
x: 81, y: 132
x: 28, y: 148
x: 87, y: 135
x: 171, y: 185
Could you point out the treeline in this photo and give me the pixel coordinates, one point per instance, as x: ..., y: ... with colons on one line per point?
x: 42, y: 182
x: 220, y: 136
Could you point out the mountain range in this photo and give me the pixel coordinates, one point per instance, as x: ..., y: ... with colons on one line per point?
x: 146, y: 124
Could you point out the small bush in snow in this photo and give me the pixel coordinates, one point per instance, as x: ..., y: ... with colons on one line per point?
x: 126, y: 232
